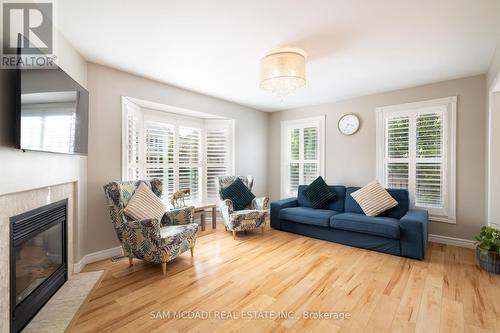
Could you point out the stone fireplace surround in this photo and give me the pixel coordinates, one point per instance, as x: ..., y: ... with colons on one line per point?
x: 20, y: 202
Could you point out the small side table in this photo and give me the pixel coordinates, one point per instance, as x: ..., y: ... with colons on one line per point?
x: 201, y: 208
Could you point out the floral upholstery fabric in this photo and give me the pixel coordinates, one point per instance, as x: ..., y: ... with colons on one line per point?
x: 150, y: 239
x: 253, y: 216
x: 178, y: 216
x: 225, y: 181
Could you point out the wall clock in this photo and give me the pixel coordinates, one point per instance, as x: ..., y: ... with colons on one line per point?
x: 349, y: 124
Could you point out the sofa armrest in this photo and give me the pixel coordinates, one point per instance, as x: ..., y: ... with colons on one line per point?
x: 414, y: 232
x: 278, y: 205
x: 261, y: 203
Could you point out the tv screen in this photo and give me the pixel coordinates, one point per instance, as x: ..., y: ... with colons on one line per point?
x: 52, y: 112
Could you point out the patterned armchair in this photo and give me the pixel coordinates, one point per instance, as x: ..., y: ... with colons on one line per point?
x: 254, y: 216
x: 150, y: 239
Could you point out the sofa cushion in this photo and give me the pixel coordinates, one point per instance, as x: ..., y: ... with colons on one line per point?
x: 378, y: 226
x: 308, y: 215
x: 318, y: 193
x: 400, y: 195
x: 337, y: 204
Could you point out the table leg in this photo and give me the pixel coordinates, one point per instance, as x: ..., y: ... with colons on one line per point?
x: 214, y: 218
x: 202, y: 217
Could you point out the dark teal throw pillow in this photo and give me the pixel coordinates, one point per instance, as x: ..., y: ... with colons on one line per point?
x: 239, y: 194
x: 318, y: 193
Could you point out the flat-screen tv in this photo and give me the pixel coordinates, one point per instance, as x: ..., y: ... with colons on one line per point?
x: 52, y: 112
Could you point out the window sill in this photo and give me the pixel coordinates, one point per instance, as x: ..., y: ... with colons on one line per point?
x: 442, y: 219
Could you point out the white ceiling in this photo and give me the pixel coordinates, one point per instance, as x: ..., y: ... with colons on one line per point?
x: 355, y: 47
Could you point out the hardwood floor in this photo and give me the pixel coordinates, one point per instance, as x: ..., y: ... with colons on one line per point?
x: 288, y: 276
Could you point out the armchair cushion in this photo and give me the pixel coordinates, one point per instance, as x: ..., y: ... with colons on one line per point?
x: 246, y: 219
x: 173, y: 236
x: 144, y: 204
x: 176, y: 239
x: 239, y: 194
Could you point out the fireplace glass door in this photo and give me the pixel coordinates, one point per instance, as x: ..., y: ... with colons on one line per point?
x: 36, y: 259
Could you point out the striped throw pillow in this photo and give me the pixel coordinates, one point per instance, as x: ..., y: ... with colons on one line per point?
x: 318, y: 193
x: 144, y: 204
x: 374, y: 199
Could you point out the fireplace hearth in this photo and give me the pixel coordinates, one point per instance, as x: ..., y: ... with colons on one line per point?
x: 38, y: 260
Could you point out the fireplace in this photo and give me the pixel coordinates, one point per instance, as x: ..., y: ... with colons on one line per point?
x: 38, y: 260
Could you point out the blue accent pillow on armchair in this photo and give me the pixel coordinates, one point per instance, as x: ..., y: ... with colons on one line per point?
x: 239, y: 194
x: 318, y: 193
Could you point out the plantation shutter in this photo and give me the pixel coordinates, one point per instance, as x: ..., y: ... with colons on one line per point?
x: 302, y: 154
x: 190, y: 161
x: 429, y: 164
x: 132, y: 123
x: 294, y: 162
x: 310, y: 146
x: 183, y: 152
x: 159, y: 154
x: 417, y: 156
x: 397, y: 152
x: 218, y: 155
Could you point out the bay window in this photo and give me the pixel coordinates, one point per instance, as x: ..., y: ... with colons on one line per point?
x: 185, y: 152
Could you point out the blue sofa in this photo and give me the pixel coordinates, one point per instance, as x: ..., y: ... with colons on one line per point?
x: 399, y: 230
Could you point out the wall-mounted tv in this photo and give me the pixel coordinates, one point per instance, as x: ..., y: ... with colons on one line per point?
x: 52, y: 112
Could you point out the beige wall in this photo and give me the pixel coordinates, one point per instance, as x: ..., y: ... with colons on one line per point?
x: 21, y: 171
x: 351, y: 160
x: 107, y: 86
x: 493, y: 137
x: 494, y: 160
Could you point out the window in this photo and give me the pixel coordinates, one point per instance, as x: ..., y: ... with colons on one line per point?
x: 184, y: 152
x: 416, y: 151
x: 302, y: 159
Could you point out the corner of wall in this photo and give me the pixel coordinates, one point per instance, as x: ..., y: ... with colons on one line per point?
x: 70, y: 60
x: 493, y: 74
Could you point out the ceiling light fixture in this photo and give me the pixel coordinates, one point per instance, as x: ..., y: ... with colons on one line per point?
x: 283, y: 71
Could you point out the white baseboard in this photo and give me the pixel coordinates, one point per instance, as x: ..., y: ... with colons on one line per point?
x: 97, y: 256
x: 452, y: 241
x: 117, y: 251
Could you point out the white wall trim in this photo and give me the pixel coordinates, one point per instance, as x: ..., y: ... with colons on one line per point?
x: 97, y: 256
x: 460, y: 242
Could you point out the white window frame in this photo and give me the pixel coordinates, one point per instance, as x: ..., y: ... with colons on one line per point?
x: 177, y: 121
x: 286, y: 126
x: 448, y: 107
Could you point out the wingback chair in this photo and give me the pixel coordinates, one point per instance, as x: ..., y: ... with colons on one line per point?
x: 252, y: 217
x: 150, y: 239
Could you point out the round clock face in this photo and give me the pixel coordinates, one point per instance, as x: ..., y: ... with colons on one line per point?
x: 349, y: 124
